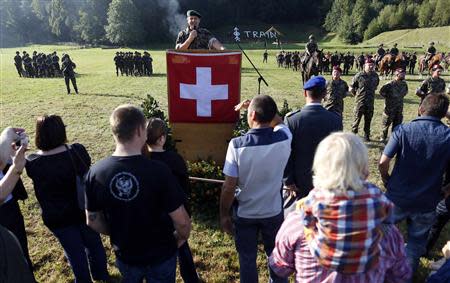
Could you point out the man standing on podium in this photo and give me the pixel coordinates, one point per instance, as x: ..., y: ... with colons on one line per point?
x: 194, y: 37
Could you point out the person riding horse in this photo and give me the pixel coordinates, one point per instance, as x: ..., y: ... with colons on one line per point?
x: 431, y: 51
x: 380, y: 54
x: 310, y: 48
x: 394, y: 50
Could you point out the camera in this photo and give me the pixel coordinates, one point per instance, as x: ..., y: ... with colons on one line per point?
x: 22, y: 139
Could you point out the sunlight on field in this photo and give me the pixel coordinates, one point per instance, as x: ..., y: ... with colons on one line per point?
x: 86, y: 116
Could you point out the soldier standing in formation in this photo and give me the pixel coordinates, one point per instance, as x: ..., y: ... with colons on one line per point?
x: 433, y: 84
x: 18, y: 63
x: 118, y: 61
x: 194, y: 37
x: 69, y: 74
x: 147, y: 61
x: 337, y: 90
x: 393, y: 93
x: 363, y: 86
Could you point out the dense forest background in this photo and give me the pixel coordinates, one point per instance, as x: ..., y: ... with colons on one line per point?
x: 134, y: 22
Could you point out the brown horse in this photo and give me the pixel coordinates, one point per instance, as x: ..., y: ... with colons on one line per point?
x: 312, y: 67
x: 389, y: 63
x: 436, y: 59
x: 446, y: 61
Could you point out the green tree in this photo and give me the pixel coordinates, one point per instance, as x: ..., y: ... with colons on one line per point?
x: 347, y: 31
x: 441, y: 16
x: 93, y: 19
x: 124, y: 24
x: 339, y: 10
x: 360, y: 16
x: 426, y: 12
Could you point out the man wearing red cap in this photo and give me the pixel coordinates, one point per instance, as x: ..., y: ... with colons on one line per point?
x: 393, y: 93
x: 337, y: 90
x: 433, y: 84
x: 363, y: 86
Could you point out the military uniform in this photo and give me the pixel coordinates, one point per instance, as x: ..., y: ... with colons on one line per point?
x: 364, y: 86
x: 394, y: 51
x: 393, y: 93
x: 18, y: 64
x: 336, y: 92
x: 69, y: 75
x: 431, y: 85
x: 202, y: 41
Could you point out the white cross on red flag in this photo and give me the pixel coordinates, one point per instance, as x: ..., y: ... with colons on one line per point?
x: 203, y: 87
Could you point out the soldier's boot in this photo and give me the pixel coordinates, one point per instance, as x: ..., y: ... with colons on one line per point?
x: 367, y: 137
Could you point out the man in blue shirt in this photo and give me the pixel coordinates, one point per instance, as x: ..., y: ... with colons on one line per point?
x: 422, y: 150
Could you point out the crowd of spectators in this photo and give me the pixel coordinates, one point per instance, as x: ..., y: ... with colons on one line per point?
x: 341, y: 227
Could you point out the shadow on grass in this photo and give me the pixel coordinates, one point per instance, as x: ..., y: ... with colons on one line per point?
x: 106, y: 95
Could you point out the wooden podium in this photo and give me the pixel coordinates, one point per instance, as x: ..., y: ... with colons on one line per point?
x: 203, y: 87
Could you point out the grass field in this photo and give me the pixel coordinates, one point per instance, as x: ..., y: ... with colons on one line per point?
x: 86, y: 116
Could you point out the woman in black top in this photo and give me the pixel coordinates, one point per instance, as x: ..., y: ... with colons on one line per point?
x: 53, y: 170
x: 156, y: 138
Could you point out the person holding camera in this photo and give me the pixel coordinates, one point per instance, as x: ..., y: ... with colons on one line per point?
x: 194, y: 37
x: 54, y: 170
x: 13, y: 144
x: 69, y: 74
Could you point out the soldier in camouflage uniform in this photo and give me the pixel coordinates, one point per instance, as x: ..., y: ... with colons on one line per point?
x: 394, y: 50
x: 363, y: 86
x: 337, y: 90
x: 393, y: 93
x: 194, y: 37
x: 433, y: 84
x: 18, y: 63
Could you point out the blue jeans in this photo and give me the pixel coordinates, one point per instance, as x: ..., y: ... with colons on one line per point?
x: 159, y: 273
x: 84, y: 250
x: 246, y: 239
x: 419, y: 225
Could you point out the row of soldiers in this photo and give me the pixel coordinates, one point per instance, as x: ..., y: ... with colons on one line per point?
x: 363, y: 87
x: 39, y: 65
x: 133, y: 64
x: 287, y: 59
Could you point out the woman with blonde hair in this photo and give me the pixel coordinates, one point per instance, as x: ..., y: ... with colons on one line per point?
x: 338, y: 227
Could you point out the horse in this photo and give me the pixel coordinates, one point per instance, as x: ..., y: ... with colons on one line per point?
x: 446, y: 61
x: 436, y: 59
x: 389, y: 63
x: 312, y: 67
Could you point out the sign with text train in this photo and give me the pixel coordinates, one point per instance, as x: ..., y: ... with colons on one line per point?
x: 203, y: 88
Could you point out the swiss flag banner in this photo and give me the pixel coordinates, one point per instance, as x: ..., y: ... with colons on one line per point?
x: 203, y: 87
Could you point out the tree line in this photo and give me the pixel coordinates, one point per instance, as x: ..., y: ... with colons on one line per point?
x: 358, y: 20
x: 126, y: 22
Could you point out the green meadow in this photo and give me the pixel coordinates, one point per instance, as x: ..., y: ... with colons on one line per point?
x: 86, y: 116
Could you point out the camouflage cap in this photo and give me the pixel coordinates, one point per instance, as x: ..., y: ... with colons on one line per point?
x: 432, y: 43
x: 395, y: 44
x: 193, y: 13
